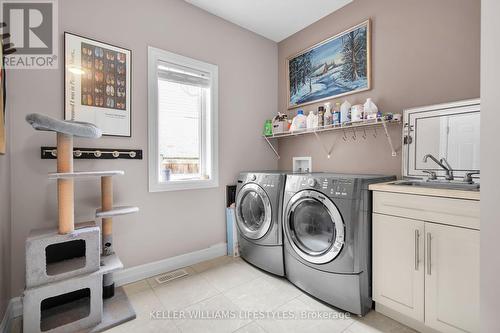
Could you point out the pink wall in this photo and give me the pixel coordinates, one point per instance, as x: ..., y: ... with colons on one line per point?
x: 169, y: 223
x: 423, y: 52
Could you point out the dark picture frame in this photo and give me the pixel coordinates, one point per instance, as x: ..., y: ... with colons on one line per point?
x: 97, y: 84
x: 3, y: 93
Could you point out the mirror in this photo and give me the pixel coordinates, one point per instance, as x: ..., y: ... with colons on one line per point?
x: 450, y: 131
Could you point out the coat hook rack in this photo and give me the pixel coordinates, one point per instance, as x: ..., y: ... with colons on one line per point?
x: 95, y: 153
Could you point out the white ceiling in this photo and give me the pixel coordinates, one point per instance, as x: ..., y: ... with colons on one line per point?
x: 273, y: 19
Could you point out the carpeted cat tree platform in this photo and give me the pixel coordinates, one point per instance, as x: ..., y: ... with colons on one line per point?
x: 69, y: 270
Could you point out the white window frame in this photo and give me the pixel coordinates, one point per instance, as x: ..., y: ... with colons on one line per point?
x: 155, y: 56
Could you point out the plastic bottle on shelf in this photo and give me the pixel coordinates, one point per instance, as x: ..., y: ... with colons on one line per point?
x: 268, y: 128
x: 327, y: 117
x: 345, y: 110
x: 321, y: 116
x: 315, y: 121
x: 311, y: 121
x: 336, y: 114
x: 370, y: 109
x: 357, y: 113
x: 299, y: 121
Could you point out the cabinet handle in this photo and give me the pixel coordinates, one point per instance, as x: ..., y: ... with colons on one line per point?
x: 428, y: 253
x: 417, y: 250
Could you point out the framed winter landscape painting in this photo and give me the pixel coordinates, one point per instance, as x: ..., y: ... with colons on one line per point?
x: 97, y: 84
x: 334, y: 67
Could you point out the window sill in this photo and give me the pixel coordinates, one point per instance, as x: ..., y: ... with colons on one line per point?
x: 183, y: 185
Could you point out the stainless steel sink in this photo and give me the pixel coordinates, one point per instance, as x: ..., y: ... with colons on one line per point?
x: 450, y: 185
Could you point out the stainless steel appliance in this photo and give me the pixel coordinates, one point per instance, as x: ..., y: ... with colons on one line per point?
x: 327, y: 243
x: 259, y: 196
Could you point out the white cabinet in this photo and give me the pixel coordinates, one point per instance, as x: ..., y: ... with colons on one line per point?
x: 452, y: 278
x: 424, y: 267
x: 398, y: 266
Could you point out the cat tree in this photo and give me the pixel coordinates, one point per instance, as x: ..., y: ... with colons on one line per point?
x: 69, y: 270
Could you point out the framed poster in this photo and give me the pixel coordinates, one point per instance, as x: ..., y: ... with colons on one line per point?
x: 97, y: 84
x: 337, y: 66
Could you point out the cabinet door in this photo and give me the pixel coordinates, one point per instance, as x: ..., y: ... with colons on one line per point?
x: 452, y: 278
x: 398, y: 264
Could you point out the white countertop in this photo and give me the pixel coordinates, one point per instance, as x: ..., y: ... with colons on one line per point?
x: 435, y: 192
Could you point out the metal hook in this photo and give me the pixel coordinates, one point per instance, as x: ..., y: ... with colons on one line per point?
x: 354, y: 134
x: 375, y: 132
x: 344, y: 137
x: 364, y: 134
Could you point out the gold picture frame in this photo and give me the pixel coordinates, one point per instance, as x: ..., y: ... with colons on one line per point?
x: 328, y: 50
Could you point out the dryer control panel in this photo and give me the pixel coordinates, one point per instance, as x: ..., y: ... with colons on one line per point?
x: 332, y: 187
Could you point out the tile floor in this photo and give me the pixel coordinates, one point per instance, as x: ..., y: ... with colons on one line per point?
x: 231, y: 284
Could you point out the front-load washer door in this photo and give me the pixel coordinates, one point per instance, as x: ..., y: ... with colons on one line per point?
x: 314, y: 227
x: 253, y: 211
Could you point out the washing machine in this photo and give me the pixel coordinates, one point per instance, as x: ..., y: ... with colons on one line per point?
x: 327, y: 237
x: 259, y: 198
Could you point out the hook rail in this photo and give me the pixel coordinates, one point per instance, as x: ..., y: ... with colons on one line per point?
x: 95, y: 153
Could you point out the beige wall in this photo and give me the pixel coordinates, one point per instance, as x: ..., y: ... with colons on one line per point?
x: 490, y: 162
x: 5, y: 232
x: 424, y: 52
x: 169, y: 223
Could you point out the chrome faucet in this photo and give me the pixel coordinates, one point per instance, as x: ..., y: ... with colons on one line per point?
x: 443, y: 163
x: 449, y: 174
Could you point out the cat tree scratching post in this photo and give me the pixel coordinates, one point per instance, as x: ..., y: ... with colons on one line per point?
x: 65, y: 187
x: 107, y: 212
x: 69, y: 269
x: 107, y: 232
x: 107, y: 223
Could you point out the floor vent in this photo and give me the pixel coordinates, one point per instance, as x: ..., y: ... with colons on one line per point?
x: 164, y: 278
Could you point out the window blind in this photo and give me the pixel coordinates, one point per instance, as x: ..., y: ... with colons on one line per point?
x: 183, y: 75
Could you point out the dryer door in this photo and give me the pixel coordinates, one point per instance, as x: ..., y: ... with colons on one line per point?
x: 253, y: 211
x: 314, y: 227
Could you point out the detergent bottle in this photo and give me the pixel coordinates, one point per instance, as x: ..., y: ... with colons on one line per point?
x: 311, y: 121
x: 299, y: 121
x: 345, y: 110
x: 370, y: 109
x: 328, y: 117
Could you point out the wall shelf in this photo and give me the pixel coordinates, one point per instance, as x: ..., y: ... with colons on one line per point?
x: 348, y: 127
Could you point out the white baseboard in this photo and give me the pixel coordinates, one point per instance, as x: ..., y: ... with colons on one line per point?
x: 17, y: 307
x: 132, y: 274
x: 137, y: 273
x: 14, y: 309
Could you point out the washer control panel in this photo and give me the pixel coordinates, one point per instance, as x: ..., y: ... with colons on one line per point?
x: 264, y: 180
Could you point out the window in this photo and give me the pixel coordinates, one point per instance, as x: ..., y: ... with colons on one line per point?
x: 182, y: 122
